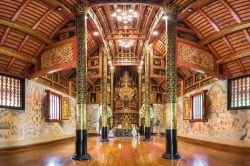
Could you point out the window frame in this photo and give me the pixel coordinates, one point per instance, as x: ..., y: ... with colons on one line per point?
x: 204, y: 119
x: 47, y: 103
x: 229, y: 94
x: 22, y: 93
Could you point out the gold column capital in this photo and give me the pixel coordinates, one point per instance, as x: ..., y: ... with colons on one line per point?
x: 81, y: 9
x: 169, y: 9
x: 139, y: 71
x: 146, y: 48
x: 112, y: 71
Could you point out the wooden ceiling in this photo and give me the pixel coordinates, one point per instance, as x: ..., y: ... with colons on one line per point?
x: 222, y: 27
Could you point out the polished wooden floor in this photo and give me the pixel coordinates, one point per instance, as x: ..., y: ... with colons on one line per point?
x: 123, y: 151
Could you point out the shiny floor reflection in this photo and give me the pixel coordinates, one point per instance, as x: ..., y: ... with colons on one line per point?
x: 123, y: 151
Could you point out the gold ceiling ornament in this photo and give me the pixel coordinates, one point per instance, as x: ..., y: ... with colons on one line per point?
x: 125, y: 91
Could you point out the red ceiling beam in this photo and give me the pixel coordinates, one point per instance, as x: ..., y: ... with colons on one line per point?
x: 200, y: 69
x: 234, y: 56
x: 53, y: 69
x: 13, y: 19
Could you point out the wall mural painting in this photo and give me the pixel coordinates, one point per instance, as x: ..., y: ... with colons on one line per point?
x: 223, y: 126
x: 22, y: 127
x: 159, y: 118
x: 65, y: 108
x: 186, y: 107
x: 93, y: 118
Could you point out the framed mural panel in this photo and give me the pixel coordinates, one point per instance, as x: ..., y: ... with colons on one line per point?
x: 186, y: 107
x: 65, y: 108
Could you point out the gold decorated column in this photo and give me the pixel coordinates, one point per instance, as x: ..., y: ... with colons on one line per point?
x: 139, y: 97
x: 81, y: 75
x: 147, y: 94
x: 112, y: 94
x: 104, y: 94
x: 170, y: 12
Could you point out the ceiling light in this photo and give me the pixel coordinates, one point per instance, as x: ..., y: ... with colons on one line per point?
x: 119, y: 10
x: 125, y: 21
x: 112, y: 67
x: 155, y: 33
x: 59, y: 9
x: 125, y: 43
x: 110, y: 62
x: 140, y: 67
x: 125, y: 15
x: 131, y: 10
x: 190, y: 9
x: 165, y: 17
x: 95, y: 33
x: 125, y: 26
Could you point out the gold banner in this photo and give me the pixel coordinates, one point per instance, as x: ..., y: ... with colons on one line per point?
x: 81, y: 116
x: 171, y: 122
x: 65, y: 108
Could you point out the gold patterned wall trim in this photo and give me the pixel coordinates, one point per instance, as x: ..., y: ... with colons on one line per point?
x: 26, y: 29
x: 186, y: 108
x: 65, y: 108
x: 56, y: 56
x: 187, y: 53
